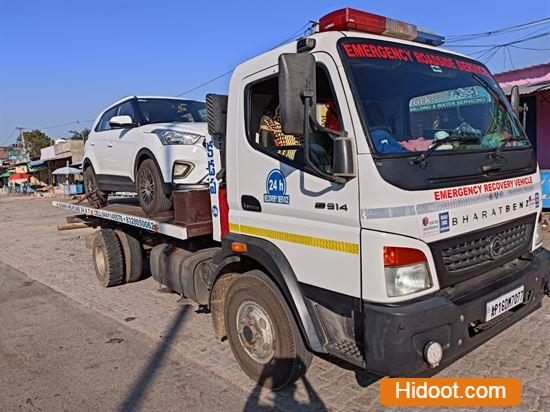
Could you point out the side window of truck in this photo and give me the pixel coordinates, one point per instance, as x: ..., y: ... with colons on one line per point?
x: 264, y: 126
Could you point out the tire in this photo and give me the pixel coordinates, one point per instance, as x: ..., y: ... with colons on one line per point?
x: 108, y: 258
x: 149, y: 187
x: 133, y: 256
x: 262, y: 332
x: 96, y: 198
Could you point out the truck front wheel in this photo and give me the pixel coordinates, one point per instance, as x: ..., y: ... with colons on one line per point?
x: 262, y: 332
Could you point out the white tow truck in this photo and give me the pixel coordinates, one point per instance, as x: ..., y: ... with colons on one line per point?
x: 370, y: 196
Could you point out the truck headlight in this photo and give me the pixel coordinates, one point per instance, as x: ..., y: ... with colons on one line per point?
x: 174, y: 137
x: 406, y: 271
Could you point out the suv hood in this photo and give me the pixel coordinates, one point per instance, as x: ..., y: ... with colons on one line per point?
x: 196, y: 128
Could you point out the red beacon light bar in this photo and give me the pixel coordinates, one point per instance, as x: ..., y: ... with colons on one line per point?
x: 350, y: 19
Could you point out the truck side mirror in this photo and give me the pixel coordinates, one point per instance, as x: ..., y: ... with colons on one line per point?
x: 514, y: 101
x: 297, y: 91
x: 344, y: 158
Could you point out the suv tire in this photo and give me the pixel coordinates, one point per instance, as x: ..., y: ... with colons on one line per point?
x: 96, y: 198
x: 149, y: 187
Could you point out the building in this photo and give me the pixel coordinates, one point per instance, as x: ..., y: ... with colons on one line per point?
x: 60, y: 154
x: 534, y: 88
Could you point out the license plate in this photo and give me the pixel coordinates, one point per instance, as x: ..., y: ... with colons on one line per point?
x: 503, y: 303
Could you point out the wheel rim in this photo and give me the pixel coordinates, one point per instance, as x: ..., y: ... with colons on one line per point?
x: 89, y: 185
x: 256, y: 331
x: 147, y: 187
x: 100, y: 261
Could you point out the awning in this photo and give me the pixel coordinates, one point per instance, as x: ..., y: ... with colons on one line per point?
x: 36, y: 163
x: 7, y: 174
x: 58, y: 157
x: 528, y: 88
x: 66, y: 171
x: 19, y: 176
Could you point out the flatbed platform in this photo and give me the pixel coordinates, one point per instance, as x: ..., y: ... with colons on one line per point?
x: 127, y: 211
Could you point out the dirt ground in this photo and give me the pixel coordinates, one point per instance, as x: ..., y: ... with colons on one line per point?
x: 30, y: 243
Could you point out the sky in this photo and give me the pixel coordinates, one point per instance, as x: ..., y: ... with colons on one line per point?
x: 63, y: 61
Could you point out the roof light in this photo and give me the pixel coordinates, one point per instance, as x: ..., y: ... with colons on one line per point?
x: 429, y: 38
x: 350, y: 19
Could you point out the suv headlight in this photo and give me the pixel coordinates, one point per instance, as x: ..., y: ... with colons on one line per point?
x: 406, y: 271
x: 174, y: 137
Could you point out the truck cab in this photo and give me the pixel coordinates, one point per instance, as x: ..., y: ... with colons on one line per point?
x: 385, y: 191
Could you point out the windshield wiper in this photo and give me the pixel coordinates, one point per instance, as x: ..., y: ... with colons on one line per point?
x: 421, y: 158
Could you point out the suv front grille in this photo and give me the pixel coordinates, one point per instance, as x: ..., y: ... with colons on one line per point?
x: 465, y: 256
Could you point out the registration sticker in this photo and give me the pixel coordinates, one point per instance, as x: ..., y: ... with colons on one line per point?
x: 503, y: 303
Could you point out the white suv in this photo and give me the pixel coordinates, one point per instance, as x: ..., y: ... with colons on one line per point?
x: 148, y: 145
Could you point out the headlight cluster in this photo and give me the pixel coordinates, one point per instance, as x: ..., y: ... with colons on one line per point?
x: 406, y: 271
x: 174, y: 137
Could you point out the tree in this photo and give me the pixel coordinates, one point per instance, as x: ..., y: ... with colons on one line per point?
x: 79, y: 134
x: 34, y: 141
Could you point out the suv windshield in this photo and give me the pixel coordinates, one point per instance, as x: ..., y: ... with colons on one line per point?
x: 411, y: 97
x: 172, y: 111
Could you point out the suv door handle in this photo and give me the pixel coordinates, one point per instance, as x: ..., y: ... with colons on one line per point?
x: 250, y: 203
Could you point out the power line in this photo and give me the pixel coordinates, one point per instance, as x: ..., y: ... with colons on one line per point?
x: 59, y: 125
x: 205, y: 83
x: 7, y: 139
x: 467, y: 37
x: 301, y: 31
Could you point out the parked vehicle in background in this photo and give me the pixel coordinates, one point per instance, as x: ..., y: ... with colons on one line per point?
x: 147, y: 145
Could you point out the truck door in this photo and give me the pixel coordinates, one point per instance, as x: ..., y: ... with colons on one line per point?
x: 313, y: 221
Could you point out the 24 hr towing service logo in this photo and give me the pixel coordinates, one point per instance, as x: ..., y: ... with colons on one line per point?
x: 275, y: 186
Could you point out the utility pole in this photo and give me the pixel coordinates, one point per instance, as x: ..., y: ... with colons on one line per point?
x: 22, y: 137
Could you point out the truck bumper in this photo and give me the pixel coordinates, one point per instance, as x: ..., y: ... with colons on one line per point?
x: 396, y: 335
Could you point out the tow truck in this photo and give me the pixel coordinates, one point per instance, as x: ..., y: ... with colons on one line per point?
x: 344, y: 213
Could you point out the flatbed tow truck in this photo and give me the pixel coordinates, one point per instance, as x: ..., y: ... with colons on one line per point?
x: 318, y: 231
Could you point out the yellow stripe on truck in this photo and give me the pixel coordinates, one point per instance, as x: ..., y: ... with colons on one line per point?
x: 336, y: 245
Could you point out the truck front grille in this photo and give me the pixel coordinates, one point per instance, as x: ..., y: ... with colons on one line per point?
x: 477, y: 252
x: 465, y: 256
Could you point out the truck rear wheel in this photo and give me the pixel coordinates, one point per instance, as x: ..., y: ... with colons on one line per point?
x: 108, y: 258
x: 133, y: 256
x: 262, y: 332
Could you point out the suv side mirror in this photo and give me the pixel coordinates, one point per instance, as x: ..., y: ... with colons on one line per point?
x: 297, y: 91
x: 514, y: 101
x: 121, y: 122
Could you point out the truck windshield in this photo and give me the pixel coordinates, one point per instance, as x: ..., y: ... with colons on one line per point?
x: 410, y: 97
x: 172, y: 110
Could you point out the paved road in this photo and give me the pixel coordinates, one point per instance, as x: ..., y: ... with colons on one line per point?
x: 56, y: 354
x: 30, y: 243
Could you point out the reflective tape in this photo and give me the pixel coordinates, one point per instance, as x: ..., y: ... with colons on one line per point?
x: 336, y: 245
